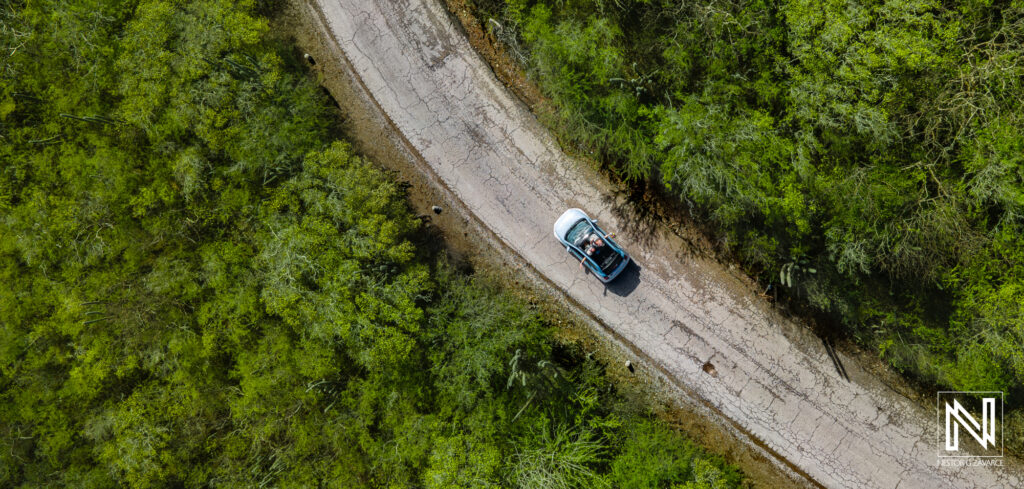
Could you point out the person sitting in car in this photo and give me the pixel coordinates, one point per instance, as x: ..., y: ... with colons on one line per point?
x: 592, y: 244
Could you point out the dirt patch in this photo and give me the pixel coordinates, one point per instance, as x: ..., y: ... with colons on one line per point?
x: 494, y: 52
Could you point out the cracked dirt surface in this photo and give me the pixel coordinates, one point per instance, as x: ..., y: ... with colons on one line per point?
x: 698, y: 322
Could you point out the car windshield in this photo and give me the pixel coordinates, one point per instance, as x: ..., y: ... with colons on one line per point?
x: 578, y: 231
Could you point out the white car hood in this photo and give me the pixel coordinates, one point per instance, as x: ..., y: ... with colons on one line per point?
x: 565, y: 222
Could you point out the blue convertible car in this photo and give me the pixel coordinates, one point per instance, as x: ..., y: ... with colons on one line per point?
x: 578, y: 233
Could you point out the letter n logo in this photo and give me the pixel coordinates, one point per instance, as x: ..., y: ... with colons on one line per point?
x: 958, y: 418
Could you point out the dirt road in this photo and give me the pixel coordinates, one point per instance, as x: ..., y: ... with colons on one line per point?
x: 813, y: 411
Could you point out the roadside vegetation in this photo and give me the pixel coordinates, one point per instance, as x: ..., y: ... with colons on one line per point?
x: 867, y: 158
x: 203, y: 288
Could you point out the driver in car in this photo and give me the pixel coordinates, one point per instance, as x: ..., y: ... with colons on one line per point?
x: 593, y: 244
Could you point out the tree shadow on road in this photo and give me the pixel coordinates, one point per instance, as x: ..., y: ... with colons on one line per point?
x: 645, y: 211
x: 831, y: 351
x: 626, y: 282
x: 638, y: 221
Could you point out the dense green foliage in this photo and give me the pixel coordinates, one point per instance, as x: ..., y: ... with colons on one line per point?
x: 203, y: 290
x: 866, y: 156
